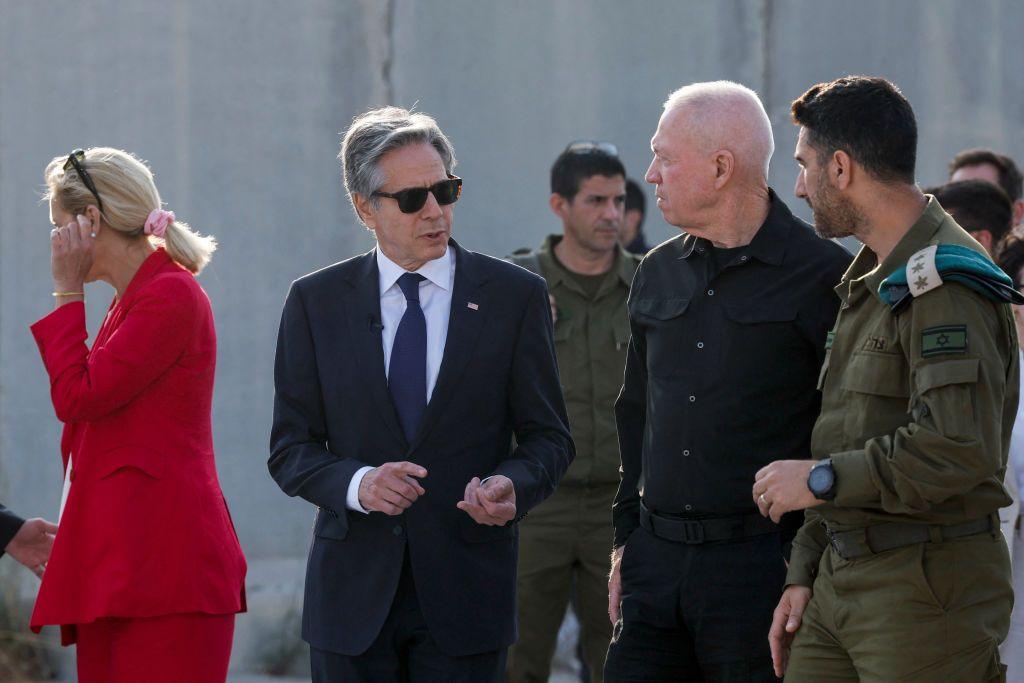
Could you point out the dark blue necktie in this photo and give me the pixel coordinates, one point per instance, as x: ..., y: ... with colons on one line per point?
x: 407, y: 370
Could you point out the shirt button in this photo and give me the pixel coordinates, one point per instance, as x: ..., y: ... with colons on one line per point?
x: 686, y: 452
x: 688, y: 507
x: 692, y: 399
x: 397, y: 531
x: 711, y: 292
x: 700, y: 345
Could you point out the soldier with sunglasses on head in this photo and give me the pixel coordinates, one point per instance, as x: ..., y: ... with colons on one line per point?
x: 565, y: 541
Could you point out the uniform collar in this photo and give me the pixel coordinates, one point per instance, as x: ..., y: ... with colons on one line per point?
x: 437, y: 271
x: 624, y: 264
x: 919, y: 236
x: 769, y: 242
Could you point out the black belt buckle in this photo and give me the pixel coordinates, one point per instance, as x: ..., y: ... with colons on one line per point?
x: 693, y: 532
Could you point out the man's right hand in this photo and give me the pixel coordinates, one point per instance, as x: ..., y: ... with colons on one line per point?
x: 391, y: 488
x: 785, y: 623
x: 615, y: 585
x: 32, y: 544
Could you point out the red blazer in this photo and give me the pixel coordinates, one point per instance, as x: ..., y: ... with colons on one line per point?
x: 145, y: 529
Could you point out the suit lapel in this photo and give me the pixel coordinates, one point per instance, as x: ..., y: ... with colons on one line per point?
x: 365, y: 330
x: 464, y: 325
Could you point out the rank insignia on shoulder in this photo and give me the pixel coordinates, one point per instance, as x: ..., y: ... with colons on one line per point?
x: 943, y: 339
x: 921, y: 271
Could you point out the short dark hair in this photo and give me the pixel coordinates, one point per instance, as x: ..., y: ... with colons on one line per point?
x: 635, y: 200
x: 866, y: 117
x: 1011, y: 258
x: 572, y: 167
x: 976, y: 205
x: 1009, y: 175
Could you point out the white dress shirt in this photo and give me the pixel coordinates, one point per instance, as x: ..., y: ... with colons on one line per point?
x: 436, y: 302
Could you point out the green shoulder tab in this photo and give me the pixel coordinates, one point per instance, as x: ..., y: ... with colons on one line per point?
x: 525, y: 258
x: 943, y: 339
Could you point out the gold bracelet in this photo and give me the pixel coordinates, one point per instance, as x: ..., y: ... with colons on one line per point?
x: 59, y: 294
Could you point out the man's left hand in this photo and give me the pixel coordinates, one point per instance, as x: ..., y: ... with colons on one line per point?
x: 492, y: 503
x: 781, y: 487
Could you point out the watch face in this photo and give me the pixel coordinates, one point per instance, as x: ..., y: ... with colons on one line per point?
x: 821, y: 479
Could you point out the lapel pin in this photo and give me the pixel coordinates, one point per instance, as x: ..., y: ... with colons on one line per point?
x: 473, y: 307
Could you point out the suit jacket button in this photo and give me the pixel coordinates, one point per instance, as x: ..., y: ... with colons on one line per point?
x: 397, y: 531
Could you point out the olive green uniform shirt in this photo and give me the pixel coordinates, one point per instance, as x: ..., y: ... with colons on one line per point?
x: 917, y: 408
x: 591, y: 336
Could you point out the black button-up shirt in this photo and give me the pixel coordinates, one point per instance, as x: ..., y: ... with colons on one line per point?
x: 722, y: 366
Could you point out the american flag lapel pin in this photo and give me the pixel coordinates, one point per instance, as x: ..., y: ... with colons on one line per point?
x: 472, y: 306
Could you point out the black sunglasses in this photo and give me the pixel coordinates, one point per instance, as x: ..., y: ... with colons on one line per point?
x: 412, y: 199
x: 589, y: 146
x: 76, y: 160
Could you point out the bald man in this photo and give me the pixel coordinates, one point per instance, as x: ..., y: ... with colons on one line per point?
x: 729, y: 322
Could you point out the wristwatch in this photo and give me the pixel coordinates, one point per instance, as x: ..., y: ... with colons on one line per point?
x: 822, y: 480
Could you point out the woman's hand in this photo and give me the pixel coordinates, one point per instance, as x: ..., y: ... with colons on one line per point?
x: 71, y: 254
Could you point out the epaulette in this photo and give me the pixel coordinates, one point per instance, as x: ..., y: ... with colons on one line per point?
x: 938, y: 263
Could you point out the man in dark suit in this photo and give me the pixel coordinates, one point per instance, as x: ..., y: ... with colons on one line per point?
x: 401, y: 377
x: 29, y: 542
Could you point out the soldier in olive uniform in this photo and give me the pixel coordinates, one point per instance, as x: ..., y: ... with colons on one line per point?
x: 565, y: 538
x: 900, y: 572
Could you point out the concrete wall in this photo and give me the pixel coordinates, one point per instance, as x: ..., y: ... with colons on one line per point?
x: 238, y: 107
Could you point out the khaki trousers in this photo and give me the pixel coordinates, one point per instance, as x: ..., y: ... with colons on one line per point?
x: 567, y: 536
x: 924, y: 613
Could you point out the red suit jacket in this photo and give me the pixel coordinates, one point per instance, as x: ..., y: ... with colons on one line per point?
x: 145, y: 530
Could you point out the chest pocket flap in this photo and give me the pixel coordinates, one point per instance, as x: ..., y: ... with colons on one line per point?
x: 659, y: 309
x: 748, y: 314
x: 882, y: 374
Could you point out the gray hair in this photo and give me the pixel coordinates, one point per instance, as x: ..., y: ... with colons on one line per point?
x: 379, y: 131
x: 728, y: 113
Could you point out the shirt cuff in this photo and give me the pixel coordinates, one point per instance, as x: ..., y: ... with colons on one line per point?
x: 352, y: 498
x: 803, y: 568
x: 855, y: 486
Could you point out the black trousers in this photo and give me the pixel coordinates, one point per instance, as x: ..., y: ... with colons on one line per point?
x: 405, y: 652
x: 696, y: 612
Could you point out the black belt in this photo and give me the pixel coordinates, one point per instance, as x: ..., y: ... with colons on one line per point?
x: 697, y: 531
x: 891, y: 535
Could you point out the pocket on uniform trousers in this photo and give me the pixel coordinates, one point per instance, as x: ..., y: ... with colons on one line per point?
x: 937, y: 565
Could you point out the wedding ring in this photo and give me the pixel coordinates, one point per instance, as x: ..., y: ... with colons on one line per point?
x: 763, y: 499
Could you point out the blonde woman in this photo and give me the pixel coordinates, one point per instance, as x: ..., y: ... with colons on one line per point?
x: 146, y: 572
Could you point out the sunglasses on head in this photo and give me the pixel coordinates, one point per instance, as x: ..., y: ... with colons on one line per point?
x: 412, y: 199
x: 587, y: 146
x: 76, y: 160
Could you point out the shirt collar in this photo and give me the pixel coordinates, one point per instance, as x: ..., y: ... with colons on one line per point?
x: 437, y: 271
x: 917, y: 238
x: 768, y: 243
x: 554, y: 272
